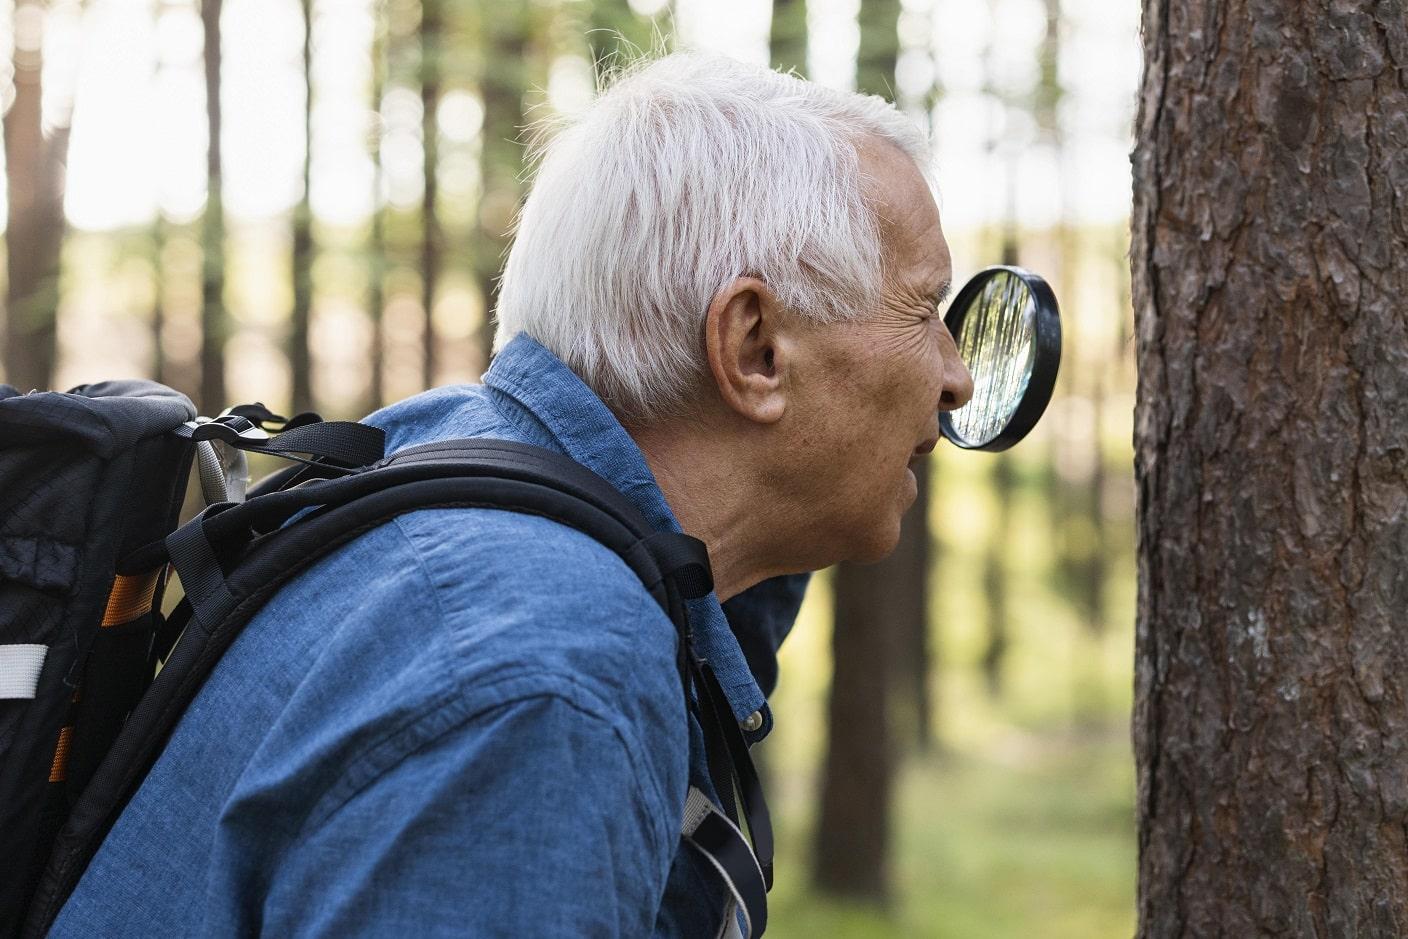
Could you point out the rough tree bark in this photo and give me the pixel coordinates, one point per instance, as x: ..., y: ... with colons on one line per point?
x: 213, y: 320
x: 872, y: 607
x: 1270, y: 262
x: 34, y: 159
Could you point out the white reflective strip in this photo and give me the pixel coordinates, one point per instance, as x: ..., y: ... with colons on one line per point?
x: 730, y: 928
x: 697, y: 807
x: 19, y: 669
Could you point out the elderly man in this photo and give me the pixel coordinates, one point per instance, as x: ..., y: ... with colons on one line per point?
x: 722, y: 299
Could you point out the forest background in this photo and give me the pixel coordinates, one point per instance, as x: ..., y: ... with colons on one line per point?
x: 366, y: 167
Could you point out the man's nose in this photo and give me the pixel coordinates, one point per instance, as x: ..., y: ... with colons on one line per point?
x: 958, y: 382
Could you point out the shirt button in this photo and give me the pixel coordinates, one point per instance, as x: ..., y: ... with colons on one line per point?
x: 752, y: 722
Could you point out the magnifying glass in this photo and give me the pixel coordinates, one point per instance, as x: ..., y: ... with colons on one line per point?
x: 1008, y: 329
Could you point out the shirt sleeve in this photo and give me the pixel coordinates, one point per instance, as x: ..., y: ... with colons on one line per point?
x: 527, y: 820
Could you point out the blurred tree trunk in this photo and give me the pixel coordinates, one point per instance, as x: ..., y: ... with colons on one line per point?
x: 376, y: 239
x: 213, y: 320
x: 918, y: 659
x: 1269, y: 246
x: 787, y: 49
x: 1046, y: 111
x: 915, y: 660
x: 1086, y: 555
x: 787, y: 36
x: 299, y: 355
x: 503, y: 85
x: 34, y: 161
x: 158, y: 317
x: 431, y: 52
x: 873, y: 605
x: 995, y: 589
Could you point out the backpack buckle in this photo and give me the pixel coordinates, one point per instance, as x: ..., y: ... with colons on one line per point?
x: 227, y: 428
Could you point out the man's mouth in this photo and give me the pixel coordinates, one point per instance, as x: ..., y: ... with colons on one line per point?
x: 924, y: 449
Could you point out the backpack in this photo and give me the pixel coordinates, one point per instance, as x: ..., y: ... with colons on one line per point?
x: 93, y: 676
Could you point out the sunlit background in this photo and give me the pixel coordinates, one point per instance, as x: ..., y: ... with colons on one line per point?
x: 1015, y: 818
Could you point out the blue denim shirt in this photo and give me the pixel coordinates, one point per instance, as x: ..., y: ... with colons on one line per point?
x: 465, y: 721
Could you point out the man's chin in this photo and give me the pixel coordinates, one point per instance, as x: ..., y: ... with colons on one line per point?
x: 875, y: 545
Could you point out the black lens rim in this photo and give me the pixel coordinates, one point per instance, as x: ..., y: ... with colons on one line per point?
x: 1047, y: 352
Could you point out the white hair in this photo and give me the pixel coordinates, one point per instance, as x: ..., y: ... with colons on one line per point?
x: 689, y: 172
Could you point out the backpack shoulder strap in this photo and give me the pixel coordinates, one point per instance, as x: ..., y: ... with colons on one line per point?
x: 233, y: 557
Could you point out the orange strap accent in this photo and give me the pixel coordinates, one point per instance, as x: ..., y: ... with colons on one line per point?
x: 60, y: 767
x: 131, y: 596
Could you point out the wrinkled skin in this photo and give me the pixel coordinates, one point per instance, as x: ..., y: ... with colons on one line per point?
x: 802, y: 455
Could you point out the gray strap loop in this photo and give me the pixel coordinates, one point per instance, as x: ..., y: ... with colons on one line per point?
x: 20, y: 664
x: 709, y: 830
x: 224, y: 472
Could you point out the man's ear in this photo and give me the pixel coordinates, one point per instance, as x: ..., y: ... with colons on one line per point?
x: 748, y: 349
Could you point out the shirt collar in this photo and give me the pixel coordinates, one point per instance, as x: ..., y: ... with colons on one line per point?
x: 586, y: 430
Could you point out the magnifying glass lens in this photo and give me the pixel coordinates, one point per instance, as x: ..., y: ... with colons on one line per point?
x: 1007, y: 327
x: 996, y: 342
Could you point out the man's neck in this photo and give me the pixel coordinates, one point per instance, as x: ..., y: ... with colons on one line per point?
x: 714, y: 499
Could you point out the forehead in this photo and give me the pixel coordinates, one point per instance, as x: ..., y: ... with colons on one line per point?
x: 910, y: 232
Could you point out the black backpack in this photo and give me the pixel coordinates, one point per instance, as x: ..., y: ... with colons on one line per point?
x: 93, y: 677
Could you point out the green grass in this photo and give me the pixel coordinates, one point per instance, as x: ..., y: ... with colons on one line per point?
x: 1031, y: 838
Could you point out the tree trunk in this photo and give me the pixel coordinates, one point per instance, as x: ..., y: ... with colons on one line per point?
x: 917, y: 552
x: 431, y: 39
x: 160, y: 368
x: 995, y: 590
x: 879, y: 50
x: 213, y: 319
x: 503, y: 84
x: 35, y: 226
x: 853, y: 830
x: 995, y: 584
x: 873, y: 607
x: 376, y: 239
x: 299, y: 355
x: 1270, y: 262
x: 787, y: 36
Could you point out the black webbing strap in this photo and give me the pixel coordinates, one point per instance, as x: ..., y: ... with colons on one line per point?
x: 681, y: 558
x: 731, y: 766
x: 196, y: 564
x: 346, y: 443
x: 521, y: 460
x: 716, y: 837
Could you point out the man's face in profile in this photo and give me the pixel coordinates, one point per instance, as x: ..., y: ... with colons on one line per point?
x: 886, y: 374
